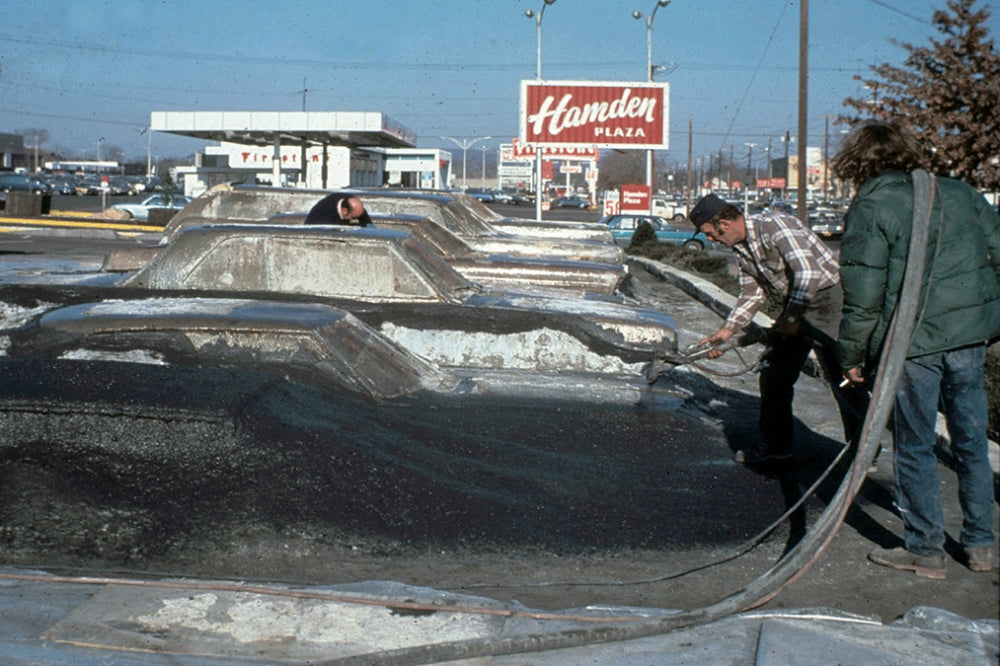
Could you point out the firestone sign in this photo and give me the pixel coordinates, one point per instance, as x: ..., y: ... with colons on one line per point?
x: 601, y: 113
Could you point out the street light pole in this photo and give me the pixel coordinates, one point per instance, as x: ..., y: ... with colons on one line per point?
x: 483, y: 172
x: 465, y: 144
x: 650, y: 70
x: 538, y: 77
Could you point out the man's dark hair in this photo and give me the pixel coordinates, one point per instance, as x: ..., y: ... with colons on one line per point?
x: 875, y: 147
x: 729, y: 212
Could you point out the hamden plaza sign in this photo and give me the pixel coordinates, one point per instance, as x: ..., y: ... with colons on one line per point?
x: 607, y: 114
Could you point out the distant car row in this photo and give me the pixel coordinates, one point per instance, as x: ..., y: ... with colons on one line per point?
x: 496, y: 196
x: 47, y: 183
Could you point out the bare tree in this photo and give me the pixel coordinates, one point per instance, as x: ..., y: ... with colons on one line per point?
x: 619, y: 168
x: 949, y: 93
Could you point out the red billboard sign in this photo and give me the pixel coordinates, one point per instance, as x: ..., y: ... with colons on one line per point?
x: 596, y: 113
x: 773, y: 183
x: 635, y: 198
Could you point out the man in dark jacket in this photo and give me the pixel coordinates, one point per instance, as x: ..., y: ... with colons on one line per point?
x: 958, y: 315
x: 339, y: 208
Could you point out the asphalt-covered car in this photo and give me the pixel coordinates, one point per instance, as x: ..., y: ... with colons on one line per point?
x: 570, y: 202
x: 624, y: 225
x: 396, y: 285
x: 140, y: 211
x: 484, y: 230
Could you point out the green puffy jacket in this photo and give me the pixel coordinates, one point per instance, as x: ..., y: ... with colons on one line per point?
x: 961, y: 292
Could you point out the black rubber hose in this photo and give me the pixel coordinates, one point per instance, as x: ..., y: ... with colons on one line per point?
x: 796, y: 560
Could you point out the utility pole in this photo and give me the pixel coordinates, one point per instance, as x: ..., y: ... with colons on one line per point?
x: 826, y: 156
x: 689, y: 168
x: 729, y: 184
x: 803, y: 107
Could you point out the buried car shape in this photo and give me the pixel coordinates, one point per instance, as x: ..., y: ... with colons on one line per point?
x: 307, y: 343
x: 497, y: 270
x: 491, y: 270
x: 457, y: 213
x: 426, y: 306
x: 459, y: 203
x: 394, y: 284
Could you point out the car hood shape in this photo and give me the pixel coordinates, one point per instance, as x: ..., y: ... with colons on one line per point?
x: 313, y: 344
x: 308, y: 343
x: 255, y: 204
x: 425, y: 304
x: 497, y: 271
x: 515, y: 225
x: 398, y: 287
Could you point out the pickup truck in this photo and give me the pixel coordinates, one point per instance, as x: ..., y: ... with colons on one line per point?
x: 676, y: 211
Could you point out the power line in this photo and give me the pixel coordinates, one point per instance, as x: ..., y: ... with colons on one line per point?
x: 886, y: 5
x: 359, y: 65
x: 760, y: 60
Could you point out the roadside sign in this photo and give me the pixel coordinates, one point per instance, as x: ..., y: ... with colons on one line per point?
x: 606, y: 114
x: 635, y: 198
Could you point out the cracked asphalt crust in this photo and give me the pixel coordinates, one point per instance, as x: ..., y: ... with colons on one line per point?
x: 223, y: 474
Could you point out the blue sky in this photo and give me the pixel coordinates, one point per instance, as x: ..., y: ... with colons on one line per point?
x: 87, y: 70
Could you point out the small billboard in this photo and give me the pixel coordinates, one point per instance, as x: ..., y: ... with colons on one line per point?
x: 606, y: 114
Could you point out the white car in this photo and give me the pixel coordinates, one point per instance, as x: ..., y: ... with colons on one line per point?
x: 140, y: 211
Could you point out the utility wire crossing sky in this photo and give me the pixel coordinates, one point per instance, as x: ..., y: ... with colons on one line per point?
x: 90, y: 73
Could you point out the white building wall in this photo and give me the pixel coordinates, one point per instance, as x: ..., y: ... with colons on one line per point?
x: 231, y: 162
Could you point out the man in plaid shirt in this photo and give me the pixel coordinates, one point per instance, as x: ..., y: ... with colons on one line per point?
x: 777, y: 254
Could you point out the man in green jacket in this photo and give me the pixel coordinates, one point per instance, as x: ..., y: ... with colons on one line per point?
x: 959, y: 313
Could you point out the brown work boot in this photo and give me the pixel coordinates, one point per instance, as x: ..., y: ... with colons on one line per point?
x: 926, y: 566
x: 979, y: 558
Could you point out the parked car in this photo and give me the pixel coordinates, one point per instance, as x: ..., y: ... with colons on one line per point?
x: 827, y: 223
x: 481, y: 195
x: 119, y: 186
x: 61, y: 183
x: 624, y: 225
x: 89, y: 185
x: 669, y: 209
x: 570, y: 202
x: 140, y: 211
x: 499, y: 196
x: 23, y: 182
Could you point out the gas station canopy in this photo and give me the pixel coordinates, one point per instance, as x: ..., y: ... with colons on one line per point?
x: 335, y: 128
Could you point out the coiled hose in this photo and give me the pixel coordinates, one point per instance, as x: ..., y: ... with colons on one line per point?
x: 796, y: 561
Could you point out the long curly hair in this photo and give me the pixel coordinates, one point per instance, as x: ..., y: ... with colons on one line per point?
x: 874, y: 147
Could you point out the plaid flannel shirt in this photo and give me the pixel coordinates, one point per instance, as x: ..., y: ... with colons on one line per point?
x: 782, y: 254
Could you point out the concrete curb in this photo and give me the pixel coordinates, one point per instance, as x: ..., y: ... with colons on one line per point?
x: 721, y: 302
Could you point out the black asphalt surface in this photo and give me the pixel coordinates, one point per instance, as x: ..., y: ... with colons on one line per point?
x: 207, y: 472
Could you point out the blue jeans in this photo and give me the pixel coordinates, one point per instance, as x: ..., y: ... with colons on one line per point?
x: 953, y: 380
